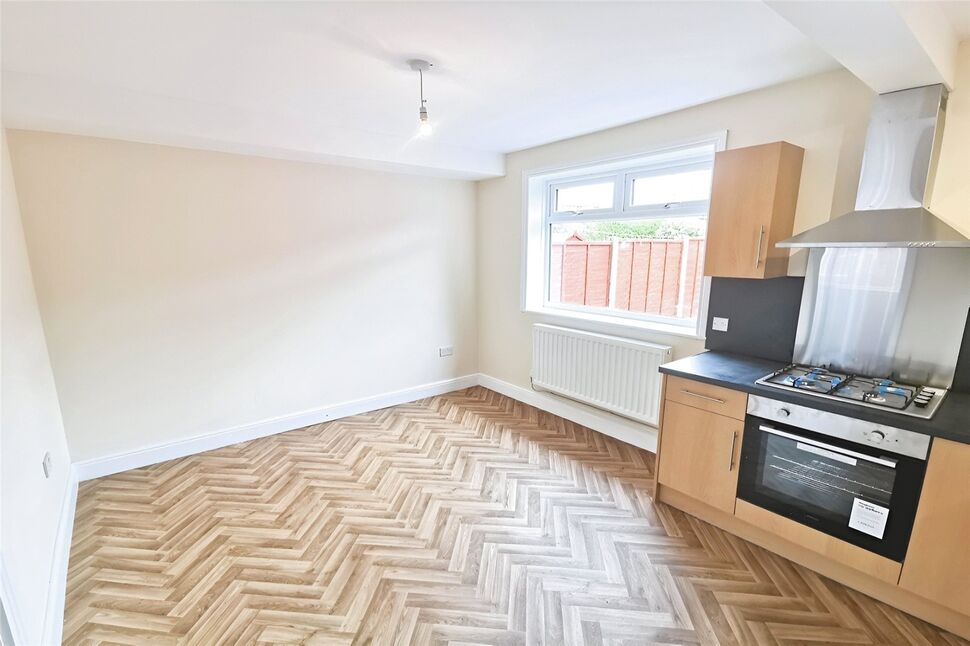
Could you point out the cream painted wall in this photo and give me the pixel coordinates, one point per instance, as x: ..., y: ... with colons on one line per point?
x: 30, y: 425
x: 825, y: 114
x: 950, y: 199
x: 187, y: 292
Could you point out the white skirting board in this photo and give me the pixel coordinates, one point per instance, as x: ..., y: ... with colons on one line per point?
x: 617, y: 427
x: 98, y: 467
x: 10, y: 611
x: 57, y: 587
x: 57, y: 578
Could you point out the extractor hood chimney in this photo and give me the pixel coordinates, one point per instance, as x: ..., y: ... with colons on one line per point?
x: 898, y: 168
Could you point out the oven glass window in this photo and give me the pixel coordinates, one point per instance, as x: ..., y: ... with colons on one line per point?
x: 857, y: 493
x: 825, y: 481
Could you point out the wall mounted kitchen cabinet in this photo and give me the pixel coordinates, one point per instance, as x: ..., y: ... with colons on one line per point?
x: 753, y: 200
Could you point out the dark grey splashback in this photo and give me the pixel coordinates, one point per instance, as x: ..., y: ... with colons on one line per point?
x: 763, y: 316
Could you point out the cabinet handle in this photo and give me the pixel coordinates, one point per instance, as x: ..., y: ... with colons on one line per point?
x: 757, y: 254
x: 698, y: 395
x: 734, y: 443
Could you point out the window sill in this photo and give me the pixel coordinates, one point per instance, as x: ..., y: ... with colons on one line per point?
x: 617, y: 326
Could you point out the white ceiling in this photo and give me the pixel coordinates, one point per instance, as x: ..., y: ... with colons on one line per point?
x: 327, y: 81
x: 889, y: 45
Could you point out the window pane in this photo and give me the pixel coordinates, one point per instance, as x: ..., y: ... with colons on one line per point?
x: 585, y: 197
x: 679, y: 187
x: 652, y: 267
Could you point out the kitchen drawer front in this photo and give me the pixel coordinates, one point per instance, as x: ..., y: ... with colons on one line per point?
x: 715, y: 399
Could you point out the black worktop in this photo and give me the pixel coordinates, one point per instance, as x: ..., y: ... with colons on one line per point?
x: 739, y: 372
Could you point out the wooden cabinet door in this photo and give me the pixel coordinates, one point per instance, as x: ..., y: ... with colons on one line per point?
x: 753, y: 198
x: 699, y: 454
x: 937, y: 564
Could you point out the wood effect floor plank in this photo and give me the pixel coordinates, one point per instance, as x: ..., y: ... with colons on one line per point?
x: 468, y: 518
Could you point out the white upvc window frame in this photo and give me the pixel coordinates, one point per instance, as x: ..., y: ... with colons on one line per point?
x: 539, y: 188
x: 690, y: 208
x: 595, y: 178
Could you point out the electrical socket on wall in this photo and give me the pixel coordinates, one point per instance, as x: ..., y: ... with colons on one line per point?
x: 446, y: 351
x: 719, y: 324
x: 48, y: 467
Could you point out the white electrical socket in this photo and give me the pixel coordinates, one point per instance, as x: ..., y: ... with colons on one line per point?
x: 446, y: 351
x: 719, y: 324
x: 47, y: 465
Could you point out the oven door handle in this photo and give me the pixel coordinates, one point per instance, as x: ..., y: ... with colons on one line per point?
x: 835, y: 449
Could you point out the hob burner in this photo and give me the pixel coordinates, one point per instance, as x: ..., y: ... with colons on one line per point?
x: 874, y: 392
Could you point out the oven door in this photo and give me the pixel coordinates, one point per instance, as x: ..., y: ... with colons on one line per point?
x: 856, y: 493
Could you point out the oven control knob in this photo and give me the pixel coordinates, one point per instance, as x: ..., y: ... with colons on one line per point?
x: 784, y: 412
x: 876, y: 437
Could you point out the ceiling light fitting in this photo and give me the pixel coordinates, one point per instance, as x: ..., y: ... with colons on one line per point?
x: 421, y: 66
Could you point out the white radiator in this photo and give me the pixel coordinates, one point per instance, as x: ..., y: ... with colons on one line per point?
x: 608, y: 372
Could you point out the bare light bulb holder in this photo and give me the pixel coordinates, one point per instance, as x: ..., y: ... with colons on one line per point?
x: 421, y: 66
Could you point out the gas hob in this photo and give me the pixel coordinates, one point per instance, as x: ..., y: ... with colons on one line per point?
x: 874, y: 392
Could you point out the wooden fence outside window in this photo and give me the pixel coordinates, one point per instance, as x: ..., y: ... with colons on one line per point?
x: 661, y: 277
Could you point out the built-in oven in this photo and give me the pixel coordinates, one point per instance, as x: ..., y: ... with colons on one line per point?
x: 851, y: 479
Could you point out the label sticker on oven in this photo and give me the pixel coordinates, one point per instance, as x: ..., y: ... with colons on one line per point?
x: 868, y: 518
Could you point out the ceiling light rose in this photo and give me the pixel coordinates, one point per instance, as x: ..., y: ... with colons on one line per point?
x: 424, y: 124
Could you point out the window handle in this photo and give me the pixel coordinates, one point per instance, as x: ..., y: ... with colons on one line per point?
x: 700, y: 396
x: 757, y: 254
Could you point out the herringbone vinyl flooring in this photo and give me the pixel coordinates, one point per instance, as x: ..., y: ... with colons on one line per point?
x: 463, y: 519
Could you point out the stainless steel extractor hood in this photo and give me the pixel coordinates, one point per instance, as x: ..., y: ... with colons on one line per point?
x: 898, y: 168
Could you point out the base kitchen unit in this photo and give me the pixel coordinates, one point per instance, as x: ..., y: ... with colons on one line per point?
x: 864, y: 481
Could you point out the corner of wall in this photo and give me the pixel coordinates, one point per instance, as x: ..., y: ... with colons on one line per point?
x: 35, y: 529
x: 479, y: 324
